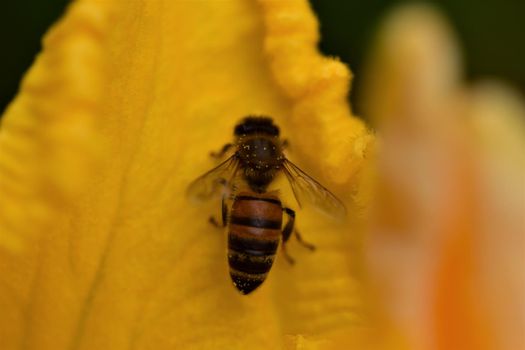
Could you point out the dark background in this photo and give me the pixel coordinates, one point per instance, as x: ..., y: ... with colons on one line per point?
x: 491, y: 32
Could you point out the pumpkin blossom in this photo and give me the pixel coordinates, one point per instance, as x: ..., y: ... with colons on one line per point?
x: 100, y: 249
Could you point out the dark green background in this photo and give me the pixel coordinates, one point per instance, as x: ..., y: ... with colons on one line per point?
x: 492, y: 33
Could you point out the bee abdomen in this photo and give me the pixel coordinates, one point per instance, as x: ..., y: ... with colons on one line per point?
x: 250, y: 259
x: 254, y: 234
x: 251, y: 255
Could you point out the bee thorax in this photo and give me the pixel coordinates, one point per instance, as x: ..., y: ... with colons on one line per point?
x: 261, y: 158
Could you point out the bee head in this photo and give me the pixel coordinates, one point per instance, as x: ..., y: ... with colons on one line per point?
x: 256, y: 125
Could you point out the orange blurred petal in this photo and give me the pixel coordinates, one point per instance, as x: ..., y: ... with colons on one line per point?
x: 431, y: 228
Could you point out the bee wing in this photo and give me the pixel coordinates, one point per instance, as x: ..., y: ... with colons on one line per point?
x: 306, y: 188
x: 210, y: 183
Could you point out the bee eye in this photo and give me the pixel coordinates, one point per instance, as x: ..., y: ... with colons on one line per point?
x: 256, y: 124
x: 239, y: 130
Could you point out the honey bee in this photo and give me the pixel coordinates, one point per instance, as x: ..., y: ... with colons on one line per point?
x: 255, y: 218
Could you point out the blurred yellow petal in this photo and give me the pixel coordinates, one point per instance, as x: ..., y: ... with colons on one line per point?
x: 497, y: 117
x: 47, y: 141
x: 450, y: 164
x: 114, y: 120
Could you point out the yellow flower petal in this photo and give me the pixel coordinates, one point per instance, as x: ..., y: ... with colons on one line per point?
x: 125, y: 261
x: 319, y: 108
x: 47, y: 141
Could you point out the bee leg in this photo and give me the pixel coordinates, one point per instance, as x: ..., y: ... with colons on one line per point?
x: 223, y: 150
x: 289, y: 228
x: 285, y: 144
x: 287, y: 231
x: 212, y: 220
x: 288, y: 258
x: 305, y: 244
x: 224, y: 212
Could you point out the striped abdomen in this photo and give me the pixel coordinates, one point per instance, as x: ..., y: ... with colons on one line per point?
x: 253, y: 237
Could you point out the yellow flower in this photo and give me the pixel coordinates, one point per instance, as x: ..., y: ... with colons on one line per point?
x: 445, y: 247
x: 99, y: 248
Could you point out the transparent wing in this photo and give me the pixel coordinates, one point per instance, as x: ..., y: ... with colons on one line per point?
x: 306, y: 188
x: 214, y: 181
